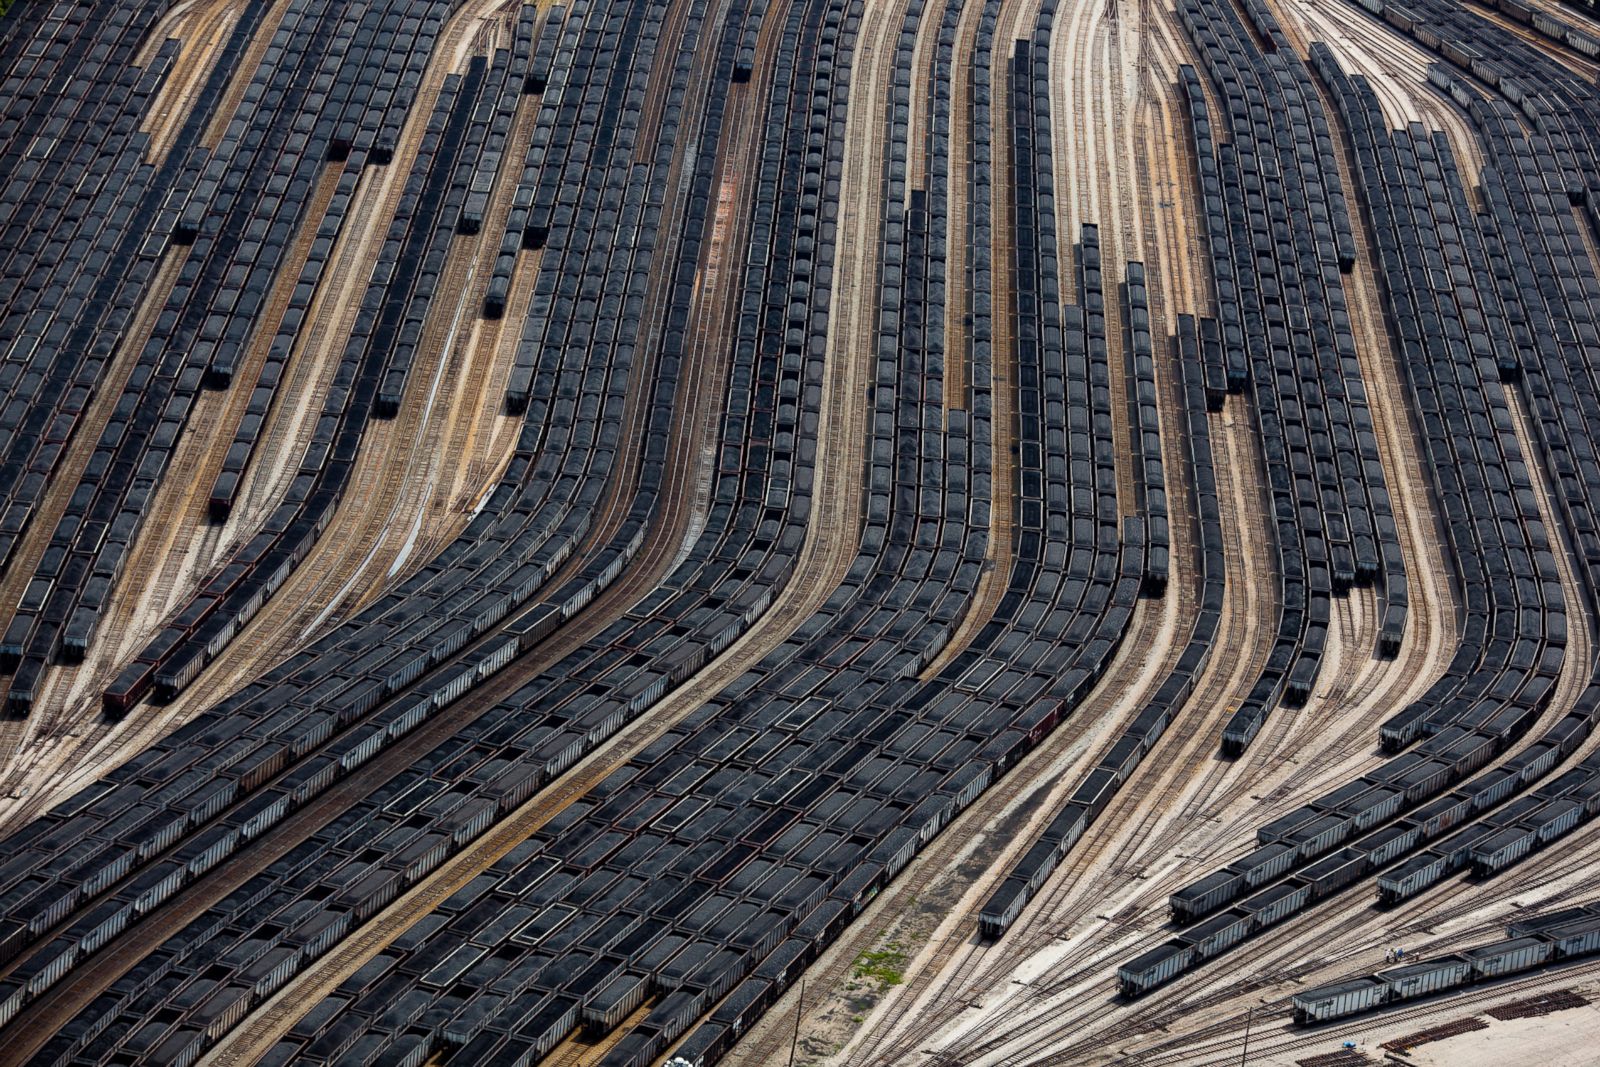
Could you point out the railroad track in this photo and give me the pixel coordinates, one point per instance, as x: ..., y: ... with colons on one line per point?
x: 698, y: 690
x: 1118, y: 228
x: 957, y: 263
x: 202, y: 32
x: 1279, y: 1038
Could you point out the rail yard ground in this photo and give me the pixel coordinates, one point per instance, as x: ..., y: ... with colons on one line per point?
x: 861, y: 533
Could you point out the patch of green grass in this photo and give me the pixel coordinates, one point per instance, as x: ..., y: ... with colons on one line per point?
x: 883, y: 966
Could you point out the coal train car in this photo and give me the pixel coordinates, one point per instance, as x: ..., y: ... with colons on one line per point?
x: 1574, y: 938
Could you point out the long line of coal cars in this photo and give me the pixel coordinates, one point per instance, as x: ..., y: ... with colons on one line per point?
x: 472, y: 115
x: 534, y: 39
x: 87, y: 220
x: 231, y: 754
x: 1568, y: 934
x: 1511, y: 658
x: 772, y: 814
x: 718, y: 557
x: 1530, y: 226
x: 258, y: 184
x: 335, y: 1039
x: 1088, y: 801
x: 744, y: 841
x: 230, y: 598
x: 1330, y: 504
x: 1144, y: 424
x: 757, y: 849
x: 1033, y: 220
